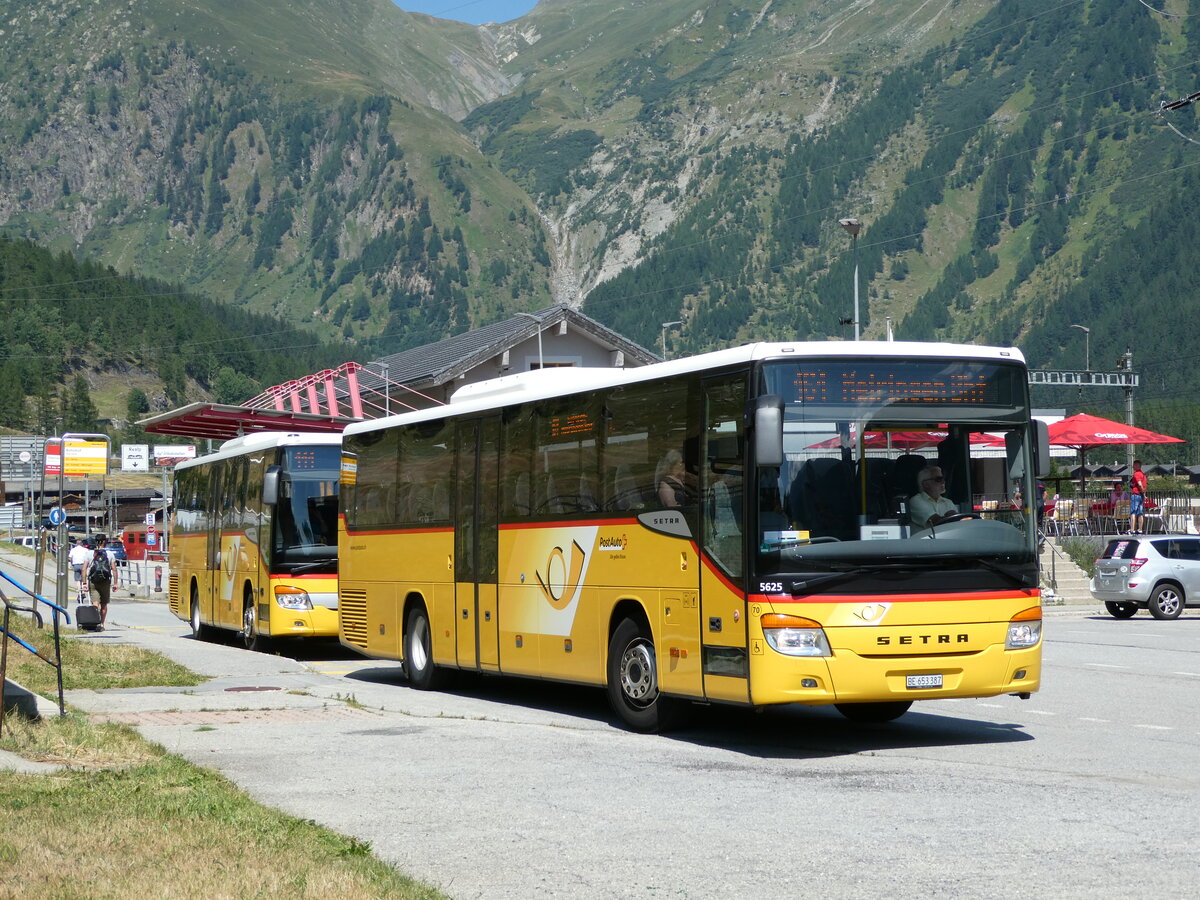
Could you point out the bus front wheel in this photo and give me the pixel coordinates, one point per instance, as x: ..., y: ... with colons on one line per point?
x: 874, y: 712
x: 418, y: 653
x: 633, y: 679
x: 251, y: 638
x: 199, y: 629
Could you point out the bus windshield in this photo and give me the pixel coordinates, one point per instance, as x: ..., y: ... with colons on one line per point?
x: 901, y: 464
x: 305, y: 534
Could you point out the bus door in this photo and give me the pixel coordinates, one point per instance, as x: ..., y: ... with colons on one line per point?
x: 477, y: 453
x: 724, y: 628
x: 212, y: 563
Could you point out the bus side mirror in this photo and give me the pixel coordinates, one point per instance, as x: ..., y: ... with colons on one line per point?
x: 1041, y: 449
x: 270, y: 492
x: 768, y: 430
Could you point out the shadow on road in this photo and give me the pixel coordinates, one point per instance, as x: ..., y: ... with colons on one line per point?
x: 785, y: 732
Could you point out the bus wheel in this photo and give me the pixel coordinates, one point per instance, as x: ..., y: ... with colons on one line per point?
x: 633, y: 679
x: 199, y: 631
x: 251, y: 639
x: 874, y: 712
x: 418, y: 653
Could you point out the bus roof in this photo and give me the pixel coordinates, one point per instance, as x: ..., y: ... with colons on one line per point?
x: 264, y: 440
x: 542, y: 384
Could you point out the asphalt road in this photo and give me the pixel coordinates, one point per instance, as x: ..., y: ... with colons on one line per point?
x: 519, y: 789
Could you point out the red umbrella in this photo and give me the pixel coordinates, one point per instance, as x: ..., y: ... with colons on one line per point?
x: 903, y: 440
x: 1082, y: 431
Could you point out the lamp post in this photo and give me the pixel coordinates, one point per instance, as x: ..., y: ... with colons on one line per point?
x: 665, y: 326
x: 853, y: 227
x: 1087, y: 346
x: 541, y: 362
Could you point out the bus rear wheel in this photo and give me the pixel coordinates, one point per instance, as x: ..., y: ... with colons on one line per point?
x: 633, y: 679
x: 418, y: 653
x: 874, y: 712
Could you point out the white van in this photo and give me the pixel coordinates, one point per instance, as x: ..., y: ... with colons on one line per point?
x: 27, y: 541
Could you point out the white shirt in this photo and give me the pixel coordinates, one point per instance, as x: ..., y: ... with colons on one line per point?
x: 79, y: 555
x: 922, y: 508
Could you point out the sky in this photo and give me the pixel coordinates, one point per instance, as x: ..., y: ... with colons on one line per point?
x: 475, y: 12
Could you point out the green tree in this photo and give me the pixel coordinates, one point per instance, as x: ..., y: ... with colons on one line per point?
x: 79, y: 413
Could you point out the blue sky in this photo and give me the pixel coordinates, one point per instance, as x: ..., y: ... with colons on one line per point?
x: 474, y: 11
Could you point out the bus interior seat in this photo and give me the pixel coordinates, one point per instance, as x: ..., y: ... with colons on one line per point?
x: 548, y: 497
x: 904, y: 479
x: 624, y: 494
x: 875, y: 478
x: 587, y: 495
x: 441, y: 502
x: 821, y: 498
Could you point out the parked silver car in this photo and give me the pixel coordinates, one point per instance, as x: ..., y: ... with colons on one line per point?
x: 1159, y: 573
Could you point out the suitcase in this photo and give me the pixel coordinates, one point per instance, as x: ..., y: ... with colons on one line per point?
x: 87, y: 617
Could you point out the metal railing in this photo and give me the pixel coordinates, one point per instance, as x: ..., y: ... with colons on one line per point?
x: 6, y: 635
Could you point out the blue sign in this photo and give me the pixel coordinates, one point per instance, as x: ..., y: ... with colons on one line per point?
x: 58, y: 515
x: 151, y: 539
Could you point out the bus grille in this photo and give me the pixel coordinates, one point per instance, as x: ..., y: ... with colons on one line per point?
x: 352, y: 610
x: 173, y: 600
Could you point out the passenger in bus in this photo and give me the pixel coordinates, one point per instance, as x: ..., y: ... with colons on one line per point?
x: 671, y: 478
x: 928, y: 506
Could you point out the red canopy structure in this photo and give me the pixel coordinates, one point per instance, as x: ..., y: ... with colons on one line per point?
x: 1082, y: 431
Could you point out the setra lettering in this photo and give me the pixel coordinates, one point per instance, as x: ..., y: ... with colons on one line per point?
x: 907, y: 640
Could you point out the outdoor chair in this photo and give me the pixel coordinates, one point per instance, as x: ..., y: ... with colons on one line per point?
x: 1158, y: 514
x: 1081, y: 522
x: 1050, y: 520
x: 1119, y: 517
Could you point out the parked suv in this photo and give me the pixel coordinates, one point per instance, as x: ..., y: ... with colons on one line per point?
x: 1160, y: 573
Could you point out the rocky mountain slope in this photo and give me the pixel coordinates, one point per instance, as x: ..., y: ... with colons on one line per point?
x: 392, y: 177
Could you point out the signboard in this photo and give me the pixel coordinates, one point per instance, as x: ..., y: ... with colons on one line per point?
x: 82, y: 458
x: 135, y: 457
x: 169, y: 454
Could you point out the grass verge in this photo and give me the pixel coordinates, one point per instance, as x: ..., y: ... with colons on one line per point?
x: 124, y: 818
x: 88, y: 663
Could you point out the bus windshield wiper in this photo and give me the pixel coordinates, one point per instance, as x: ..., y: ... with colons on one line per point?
x: 803, y: 586
x: 988, y: 564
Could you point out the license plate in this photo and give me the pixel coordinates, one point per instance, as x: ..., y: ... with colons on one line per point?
x: 923, y: 681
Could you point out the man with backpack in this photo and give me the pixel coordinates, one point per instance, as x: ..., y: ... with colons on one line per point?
x: 100, y: 576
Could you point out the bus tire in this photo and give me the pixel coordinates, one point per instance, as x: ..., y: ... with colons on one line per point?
x: 633, y: 679
x: 200, y: 631
x: 251, y: 638
x: 874, y: 712
x: 418, y: 652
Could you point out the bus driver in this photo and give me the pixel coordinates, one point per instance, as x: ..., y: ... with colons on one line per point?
x: 928, y: 506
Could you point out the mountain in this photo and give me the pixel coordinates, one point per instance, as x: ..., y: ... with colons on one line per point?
x: 391, y: 178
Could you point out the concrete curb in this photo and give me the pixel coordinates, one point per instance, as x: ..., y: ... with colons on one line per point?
x: 26, y: 702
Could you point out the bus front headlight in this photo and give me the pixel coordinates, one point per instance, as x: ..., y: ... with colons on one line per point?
x: 795, y: 635
x: 290, y: 597
x: 1024, y: 629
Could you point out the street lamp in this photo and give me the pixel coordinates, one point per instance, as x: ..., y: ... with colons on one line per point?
x: 541, y: 364
x: 665, y: 326
x: 853, y: 226
x: 1087, y: 346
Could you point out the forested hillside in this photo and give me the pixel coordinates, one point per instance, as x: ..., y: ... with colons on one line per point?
x: 390, y: 179
x: 80, y: 342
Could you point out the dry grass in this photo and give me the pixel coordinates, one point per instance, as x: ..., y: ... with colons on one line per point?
x: 88, y: 663
x: 127, y: 819
x: 124, y: 818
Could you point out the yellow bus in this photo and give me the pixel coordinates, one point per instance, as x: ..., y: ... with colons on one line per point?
x: 737, y: 527
x: 254, y: 538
